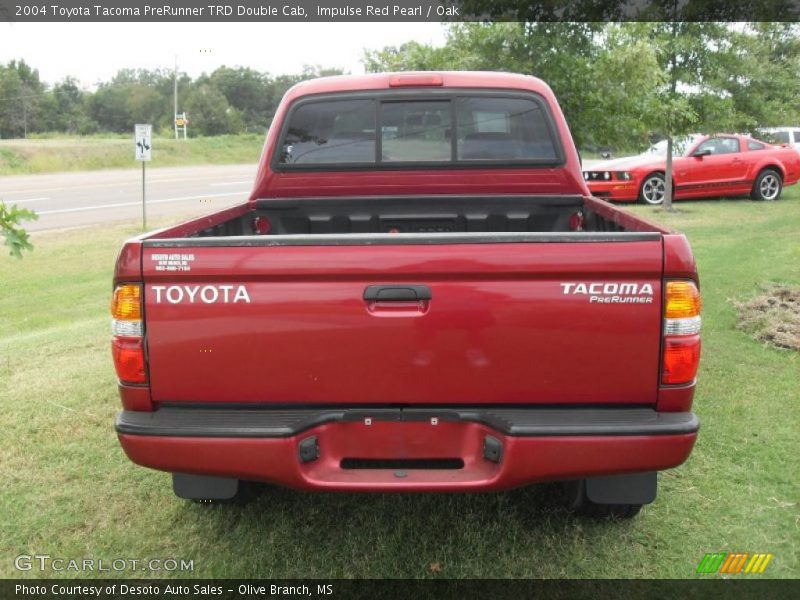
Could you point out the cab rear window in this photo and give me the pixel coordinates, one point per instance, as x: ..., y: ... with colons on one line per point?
x: 441, y: 130
x: 332, y: 132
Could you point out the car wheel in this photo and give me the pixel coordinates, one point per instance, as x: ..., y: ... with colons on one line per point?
x: 653, y: 189
x: 578, y: 502
x: 768, y: 185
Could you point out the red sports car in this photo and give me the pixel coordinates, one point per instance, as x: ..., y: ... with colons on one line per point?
x: 703, y: 167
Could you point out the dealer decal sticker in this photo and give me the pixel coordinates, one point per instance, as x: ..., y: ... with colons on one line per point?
x: 173, y: 262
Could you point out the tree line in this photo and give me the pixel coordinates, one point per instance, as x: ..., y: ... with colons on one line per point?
x: 619, y: 84
x: 228, y: 100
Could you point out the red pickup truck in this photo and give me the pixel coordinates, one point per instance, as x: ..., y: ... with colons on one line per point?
x: 419, y: 295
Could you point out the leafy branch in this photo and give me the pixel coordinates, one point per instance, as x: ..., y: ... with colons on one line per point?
x: 16, y: 238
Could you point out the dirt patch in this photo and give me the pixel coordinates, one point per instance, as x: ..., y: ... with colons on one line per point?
x: 773, y: 317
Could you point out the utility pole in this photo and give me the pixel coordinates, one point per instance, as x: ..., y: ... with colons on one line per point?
x: 175, y: 96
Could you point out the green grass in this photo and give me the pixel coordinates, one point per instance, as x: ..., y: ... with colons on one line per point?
x: 62, y: 153
x: 69, y: 491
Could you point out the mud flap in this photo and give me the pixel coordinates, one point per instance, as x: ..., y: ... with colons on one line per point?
x: 634, y: 488
x: 204, y: 487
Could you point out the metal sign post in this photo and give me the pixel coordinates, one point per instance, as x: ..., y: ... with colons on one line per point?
x: 142, y: 137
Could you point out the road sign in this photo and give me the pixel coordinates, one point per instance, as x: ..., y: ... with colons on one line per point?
x: 143, y: 139
x: 180, y: 124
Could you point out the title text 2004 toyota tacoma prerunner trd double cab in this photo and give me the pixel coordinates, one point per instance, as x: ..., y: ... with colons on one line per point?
x: 419, y: 295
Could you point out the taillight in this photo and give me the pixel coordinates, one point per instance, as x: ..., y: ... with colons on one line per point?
x: 261, y: 225
x: 681, y: 352
x: 682, y: 300
x: 576, y: 221
x: 416, y: 80
x: 127, y: 346
x: 129, y: 359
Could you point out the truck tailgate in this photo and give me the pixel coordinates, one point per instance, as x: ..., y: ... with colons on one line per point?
x: 508, y: 320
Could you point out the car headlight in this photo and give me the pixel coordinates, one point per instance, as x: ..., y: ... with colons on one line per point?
x: 623, y: 175
x: 606, y: 175
x: 586, y: 175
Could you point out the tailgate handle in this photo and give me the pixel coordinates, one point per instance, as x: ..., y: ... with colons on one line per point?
x: 397, y: 293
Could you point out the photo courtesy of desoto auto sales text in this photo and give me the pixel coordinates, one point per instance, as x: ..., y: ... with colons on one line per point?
x: 442, y: 299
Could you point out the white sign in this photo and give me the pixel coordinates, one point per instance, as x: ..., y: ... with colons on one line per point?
x: 143, y: 139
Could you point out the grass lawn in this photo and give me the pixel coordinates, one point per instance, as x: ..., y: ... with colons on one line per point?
x: 61, y: 153
x: 69, y: 491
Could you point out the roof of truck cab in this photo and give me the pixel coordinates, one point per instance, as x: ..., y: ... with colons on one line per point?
x: 450, y: 79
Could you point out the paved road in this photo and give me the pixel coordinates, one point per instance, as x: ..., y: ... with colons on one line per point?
x: 87, y: 198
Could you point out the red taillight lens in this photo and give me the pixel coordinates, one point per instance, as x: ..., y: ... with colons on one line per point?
x: 681, y: 358
x: 129, y: 359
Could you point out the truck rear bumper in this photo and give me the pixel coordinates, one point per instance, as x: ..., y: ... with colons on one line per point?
x: 428, y: 449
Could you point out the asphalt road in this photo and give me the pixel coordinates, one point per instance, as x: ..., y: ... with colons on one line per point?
x: 67, y: 200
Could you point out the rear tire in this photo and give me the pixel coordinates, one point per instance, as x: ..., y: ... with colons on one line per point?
x: 653, y: 189
x: 768, y: 185
x: 579, y: 503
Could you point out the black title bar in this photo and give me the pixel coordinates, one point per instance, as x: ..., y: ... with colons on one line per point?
x: 106, y: 11
x: 229, y: 589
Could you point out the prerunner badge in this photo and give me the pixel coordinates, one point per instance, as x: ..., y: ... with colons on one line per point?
x: 611, y: 292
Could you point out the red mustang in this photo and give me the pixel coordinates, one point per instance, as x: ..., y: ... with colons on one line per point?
x: 703, y: 167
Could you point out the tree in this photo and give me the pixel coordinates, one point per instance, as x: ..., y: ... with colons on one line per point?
x: 69, y: 108
x: 21, y: 92
x: 247, y: 91
x: 761, y: 79
x: 411, y: 56
x: 622, y: 100
x: 210, y: 112
x: 108, y: 108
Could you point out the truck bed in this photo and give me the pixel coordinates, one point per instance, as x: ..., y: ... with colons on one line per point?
x: 416, y: 214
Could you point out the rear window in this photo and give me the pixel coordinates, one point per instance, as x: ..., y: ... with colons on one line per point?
x: 333, y: 132
x: 416, y: 131
x: 752, y: 145
x: 441, y: 130
x: 503, y: 129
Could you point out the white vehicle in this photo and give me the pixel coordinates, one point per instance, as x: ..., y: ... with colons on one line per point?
x: 783, y: 135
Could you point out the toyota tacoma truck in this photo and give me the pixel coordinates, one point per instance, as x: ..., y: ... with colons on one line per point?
x: 420, y: 294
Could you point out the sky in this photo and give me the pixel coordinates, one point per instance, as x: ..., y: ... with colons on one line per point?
x: 94, y: 52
